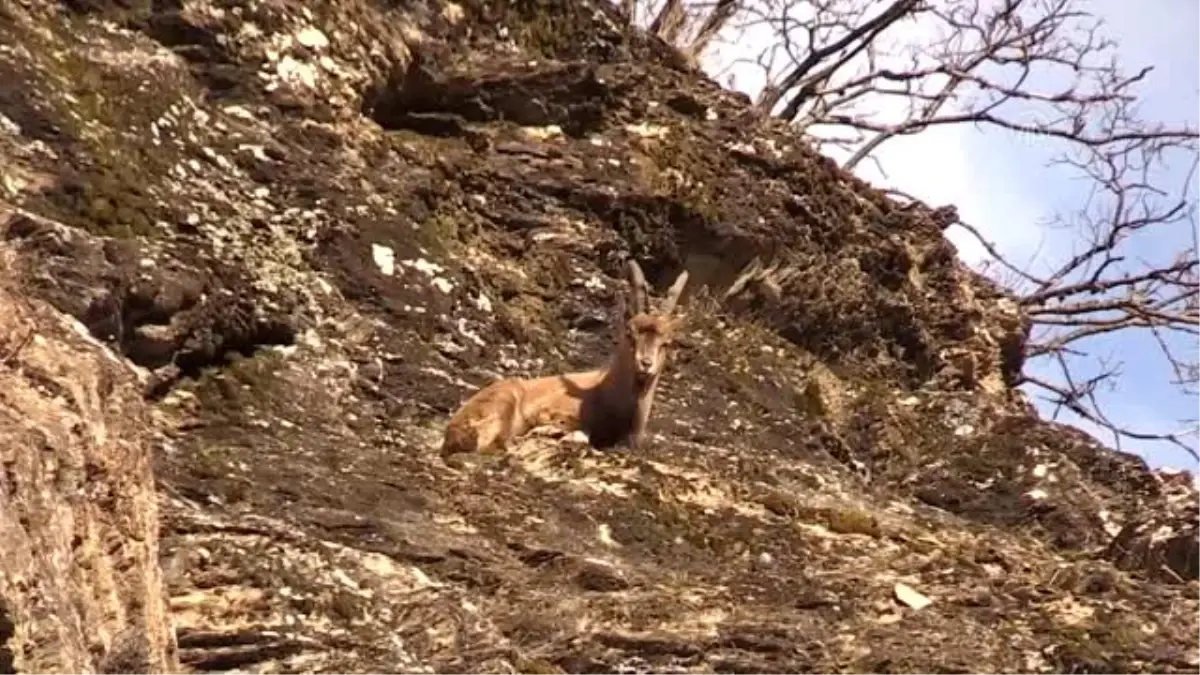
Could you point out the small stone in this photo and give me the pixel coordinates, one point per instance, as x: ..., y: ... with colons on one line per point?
x: 576, y: 438
x: 312, y: 38
x: 909, y: 596
x: 9, y: 127
x: 600, y: 576
x: 385, y: 259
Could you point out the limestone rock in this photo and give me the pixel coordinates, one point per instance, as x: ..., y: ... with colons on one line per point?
x: 80, y: 586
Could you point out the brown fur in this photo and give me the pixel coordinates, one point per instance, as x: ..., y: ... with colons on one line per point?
x: 610, y: 404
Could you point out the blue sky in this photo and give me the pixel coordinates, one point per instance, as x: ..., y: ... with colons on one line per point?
x: 1002, y: 186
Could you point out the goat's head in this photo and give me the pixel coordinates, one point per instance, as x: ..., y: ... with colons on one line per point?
x: 647, y: 332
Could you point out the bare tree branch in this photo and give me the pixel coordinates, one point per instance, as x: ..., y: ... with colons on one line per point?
x: 690, y: 26
x: 856, y: 74
x: 669, y: 21
x: 629, y: 9
x: 712, y: 24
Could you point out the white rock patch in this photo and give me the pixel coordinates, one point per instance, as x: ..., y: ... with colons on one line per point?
x: 385, y: 259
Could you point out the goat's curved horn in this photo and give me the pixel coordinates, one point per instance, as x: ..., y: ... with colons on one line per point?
x: 673, y: 293
x: 638, y: 288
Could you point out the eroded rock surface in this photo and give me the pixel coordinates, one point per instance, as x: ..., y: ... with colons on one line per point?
x: 312, y: 229
x: 80, y: 584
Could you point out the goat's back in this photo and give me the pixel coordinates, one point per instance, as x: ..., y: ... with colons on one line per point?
x: 489, y: 418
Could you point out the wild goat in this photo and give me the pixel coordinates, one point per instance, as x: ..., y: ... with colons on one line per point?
x: 609, y: 405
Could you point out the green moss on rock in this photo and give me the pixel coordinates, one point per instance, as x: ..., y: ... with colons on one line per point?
x: 556, y: 30
x: 107, y: 200
x: 245, y: 384
x: 853, y: 521
x: 112, y: 164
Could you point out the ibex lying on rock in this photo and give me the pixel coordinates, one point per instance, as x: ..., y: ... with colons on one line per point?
x: 609, y: 405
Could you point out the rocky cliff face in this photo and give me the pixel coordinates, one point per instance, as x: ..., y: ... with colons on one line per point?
x: 80, y: 584
x: 269, y: 245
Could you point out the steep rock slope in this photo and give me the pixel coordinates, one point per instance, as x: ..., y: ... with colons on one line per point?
x: 313, y: 228
x: 78, y: 513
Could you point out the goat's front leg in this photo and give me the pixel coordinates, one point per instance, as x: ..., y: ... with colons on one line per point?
x: 641, y: 416
x: 637, y: 436
x: 634, y: 440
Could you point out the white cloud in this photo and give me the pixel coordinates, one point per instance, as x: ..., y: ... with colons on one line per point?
x: 942, y: 165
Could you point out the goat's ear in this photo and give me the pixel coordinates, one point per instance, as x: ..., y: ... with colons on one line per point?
x: 673, y: 293
x: 677, y: 323
x: 637, y: 288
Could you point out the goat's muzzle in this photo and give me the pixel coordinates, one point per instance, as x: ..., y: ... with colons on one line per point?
x: 643, y: 378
